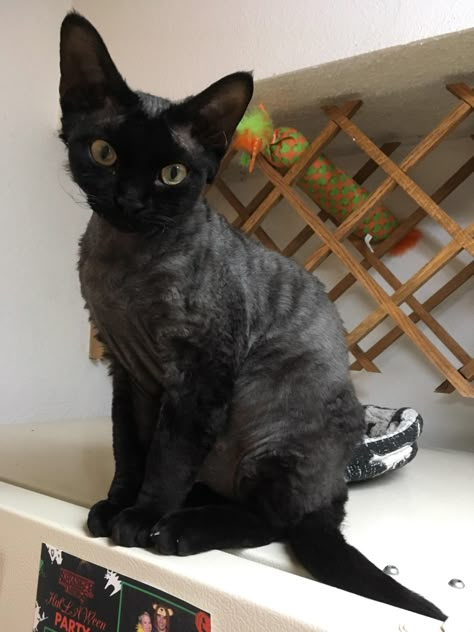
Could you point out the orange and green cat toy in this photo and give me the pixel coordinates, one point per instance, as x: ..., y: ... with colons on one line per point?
x: 331, y: 188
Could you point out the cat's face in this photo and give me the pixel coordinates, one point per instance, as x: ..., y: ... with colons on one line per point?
x: 141, y: 160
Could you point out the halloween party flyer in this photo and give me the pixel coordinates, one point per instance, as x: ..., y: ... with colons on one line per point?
x: 75, y: 595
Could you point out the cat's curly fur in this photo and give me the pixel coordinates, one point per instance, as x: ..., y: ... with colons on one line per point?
x: 234, y: 415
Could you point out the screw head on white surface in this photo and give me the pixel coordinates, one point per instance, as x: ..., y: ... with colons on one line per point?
x: 391, y: 570
x: 456, y: 583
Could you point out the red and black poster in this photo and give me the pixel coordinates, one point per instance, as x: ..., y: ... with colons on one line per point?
x: 76, y: 595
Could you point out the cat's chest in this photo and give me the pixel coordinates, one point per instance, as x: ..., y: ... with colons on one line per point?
x: 111, y: 285
x: 130, y: 296
x: 140, y: 310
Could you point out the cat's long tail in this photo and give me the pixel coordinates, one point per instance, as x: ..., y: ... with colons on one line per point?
x: 321, y: 548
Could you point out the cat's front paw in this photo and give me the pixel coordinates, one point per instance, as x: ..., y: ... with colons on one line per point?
x: 132, y: 527
x: 179, y: 533
x: 101, y: 516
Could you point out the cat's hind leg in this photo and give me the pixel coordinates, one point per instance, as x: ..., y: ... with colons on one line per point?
x: 296, y: 483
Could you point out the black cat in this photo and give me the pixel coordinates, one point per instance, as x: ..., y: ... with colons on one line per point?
x: 233, y: 411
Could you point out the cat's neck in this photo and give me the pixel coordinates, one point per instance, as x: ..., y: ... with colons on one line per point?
x: 103, y: 237
x: 107, y: 241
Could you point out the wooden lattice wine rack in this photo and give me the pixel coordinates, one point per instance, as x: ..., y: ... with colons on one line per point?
x: 457, y: 375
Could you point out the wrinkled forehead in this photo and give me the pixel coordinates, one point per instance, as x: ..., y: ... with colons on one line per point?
x: 145, y: 114
x: 153, y: 107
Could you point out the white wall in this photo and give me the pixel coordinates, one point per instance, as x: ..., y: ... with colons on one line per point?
x: 176, y: 48
x: 44, y: 369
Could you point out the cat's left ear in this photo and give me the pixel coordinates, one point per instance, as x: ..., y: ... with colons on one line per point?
x: 215, y: 113
x: 89, y: 79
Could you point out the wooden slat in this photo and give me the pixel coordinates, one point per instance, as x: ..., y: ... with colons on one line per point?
x: 400, y: 177
x: 436, y: 299
x: 329, y: 132
x: 423, y: 275
x: 254, y: 204
x: 96, y: 350
x: 429, y: 142
x: 266, y: 239
x: 381, y: 297
x: 424, y: 315
x: 230, y: 197
x: 365, y: 362
x: 462, y: 91
x: 371, y: 166
x: 242, y: 211
x: 467, y: 371
x: 415, y: 218
x: 297, y: 242
x: 445, y: 387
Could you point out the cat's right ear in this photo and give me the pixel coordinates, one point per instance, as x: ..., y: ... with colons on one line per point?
x: 213, y: 114
x: 89, y: 79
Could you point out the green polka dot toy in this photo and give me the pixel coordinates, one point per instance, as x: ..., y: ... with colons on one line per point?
x: 331, y: 188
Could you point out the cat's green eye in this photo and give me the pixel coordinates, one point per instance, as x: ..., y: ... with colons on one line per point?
x: 103, y: 153
x: 173, y: 174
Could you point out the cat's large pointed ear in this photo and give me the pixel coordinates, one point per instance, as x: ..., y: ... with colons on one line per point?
x: 89, y: 78
x: 214, y: 114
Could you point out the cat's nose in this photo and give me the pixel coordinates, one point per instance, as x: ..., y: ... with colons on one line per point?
x: 130, y: 203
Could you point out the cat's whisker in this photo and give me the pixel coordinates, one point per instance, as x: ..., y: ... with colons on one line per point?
x: 73, y: 195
